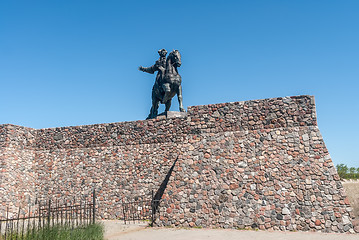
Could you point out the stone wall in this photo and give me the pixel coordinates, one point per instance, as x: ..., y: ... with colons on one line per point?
x: 260, y: 163
x: 17, y: 159
x: 272, y: 179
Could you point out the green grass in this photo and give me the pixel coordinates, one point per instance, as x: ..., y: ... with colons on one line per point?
x: 90, y: 232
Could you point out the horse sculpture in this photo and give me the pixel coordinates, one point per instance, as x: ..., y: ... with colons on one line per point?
x: 168, y: 83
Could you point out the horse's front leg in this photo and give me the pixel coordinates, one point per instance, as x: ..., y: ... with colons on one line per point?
x: 168, y: 105
x: 167, y: 89
x: 179, y: 96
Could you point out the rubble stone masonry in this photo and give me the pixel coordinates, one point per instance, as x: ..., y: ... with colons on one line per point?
x: 260, y: 163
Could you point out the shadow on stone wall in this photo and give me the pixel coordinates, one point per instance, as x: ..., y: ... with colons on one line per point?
x: 163, y: 186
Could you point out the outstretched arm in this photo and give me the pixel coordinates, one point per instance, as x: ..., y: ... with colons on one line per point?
x: 151, y: 69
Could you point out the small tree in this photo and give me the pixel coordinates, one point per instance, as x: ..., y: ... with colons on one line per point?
x: 342, y: 170
x: 352, y: 171
x: 347, y: 173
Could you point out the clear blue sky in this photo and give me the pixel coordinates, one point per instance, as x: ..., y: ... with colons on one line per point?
x: 65, y: 63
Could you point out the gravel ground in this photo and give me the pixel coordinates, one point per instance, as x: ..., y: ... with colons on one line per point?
x: 116, y: 230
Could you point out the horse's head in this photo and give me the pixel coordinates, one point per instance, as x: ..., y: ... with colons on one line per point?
x: 175, y: 57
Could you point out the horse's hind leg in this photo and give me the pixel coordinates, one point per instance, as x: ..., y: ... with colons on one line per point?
x: 154, y: 109
x: 179, y: 96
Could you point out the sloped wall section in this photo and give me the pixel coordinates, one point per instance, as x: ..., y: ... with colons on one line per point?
x: 257, y: 164
x: 260, y: 163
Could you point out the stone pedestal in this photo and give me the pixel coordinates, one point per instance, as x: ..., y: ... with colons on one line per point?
x: 172, y: 114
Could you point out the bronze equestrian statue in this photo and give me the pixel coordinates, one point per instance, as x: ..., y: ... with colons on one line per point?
x: 168, y: 81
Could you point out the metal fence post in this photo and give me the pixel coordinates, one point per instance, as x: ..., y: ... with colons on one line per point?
x: 93, y: 206
x: 7, y: 216
x: 17, y: 224
x: 48, y: 214
x: 153, y: 208
x: 123, y: 210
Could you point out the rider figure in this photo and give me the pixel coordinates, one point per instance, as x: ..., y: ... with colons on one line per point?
x: 160, y: 67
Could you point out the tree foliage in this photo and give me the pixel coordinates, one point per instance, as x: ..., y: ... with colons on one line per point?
x: 346, y: 172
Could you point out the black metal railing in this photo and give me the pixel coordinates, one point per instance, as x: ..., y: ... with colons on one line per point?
x: 46, y: 214
x: 141, y: 209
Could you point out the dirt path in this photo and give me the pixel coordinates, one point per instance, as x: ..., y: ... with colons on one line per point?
x: 116, y: 230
